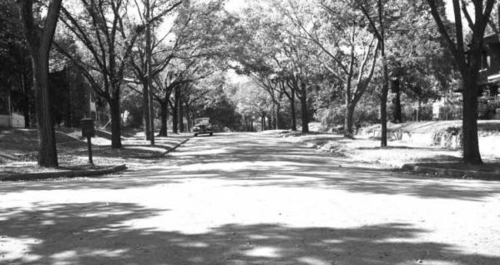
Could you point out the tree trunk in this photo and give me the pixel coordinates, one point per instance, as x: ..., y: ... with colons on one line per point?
x: 181, y: 115
x: 188, y: 116
x: 294, y: 112
x: 272, y: 118
x: 471, y: 154
x: 26, y: 90
x: 304, y: 111
x: 114, y: 105
x: 47, y: 151
x: 164, y: 119
x: 263, y: 122
x: 175, y: 114
x: 397, y: 109
x: 385, y: 87
x: 349, y: 120
x: 383, y: 105
x: 398, y: 112
x: 145, y: 107
x: 149, y: 91
x: 40, y: 41
x: 277, y: 119
x: 151, y: 118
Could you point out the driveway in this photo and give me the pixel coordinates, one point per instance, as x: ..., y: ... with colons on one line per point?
x: 250, y: 199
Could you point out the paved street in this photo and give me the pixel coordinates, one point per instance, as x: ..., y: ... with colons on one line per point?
x: 250, y: 199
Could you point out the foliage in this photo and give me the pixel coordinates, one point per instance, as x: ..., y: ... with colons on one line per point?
x: 488, y: 109
x: 325, y: 51
x: 450, y: 137
x: 467, y: 55
x: 104, y: 35
x: 220, y: 109
x: 366, y: 113
x: 15, y: 66
x: 132, y: 108
x: 12, y: 45
x: 250, y: 100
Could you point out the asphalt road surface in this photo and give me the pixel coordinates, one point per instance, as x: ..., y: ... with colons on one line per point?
x: 250, y: 199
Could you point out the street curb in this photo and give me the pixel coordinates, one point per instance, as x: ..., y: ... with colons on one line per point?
x: 456, y: 173
x: 62, y: 174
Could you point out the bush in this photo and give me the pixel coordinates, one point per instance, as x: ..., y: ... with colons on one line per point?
x: 424, y: 114
x: 363, y: 114
x: 487, y: 110
x: 449, y: 137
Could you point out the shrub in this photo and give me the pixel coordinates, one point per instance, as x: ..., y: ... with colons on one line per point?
x: 487, y: 110
x: 363, y: 114
x: 448, y: 137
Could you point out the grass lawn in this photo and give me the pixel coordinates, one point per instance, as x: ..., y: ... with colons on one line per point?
x: 368, y: 152
x: 20, y: 149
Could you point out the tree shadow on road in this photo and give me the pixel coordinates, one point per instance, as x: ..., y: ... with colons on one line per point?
x: 101, y: 233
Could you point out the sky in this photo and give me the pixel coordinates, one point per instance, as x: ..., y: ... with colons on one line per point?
x: 235, y: 5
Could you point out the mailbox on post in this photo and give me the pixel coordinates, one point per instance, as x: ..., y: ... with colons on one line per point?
x: 88, y: 132
x: 87, y: 126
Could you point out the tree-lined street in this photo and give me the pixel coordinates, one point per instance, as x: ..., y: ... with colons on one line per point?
x: 254, y: 132
x: 250, y: 199
x: 248, y: 66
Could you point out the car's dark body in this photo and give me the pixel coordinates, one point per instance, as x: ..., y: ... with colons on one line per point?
x: 202, y: 126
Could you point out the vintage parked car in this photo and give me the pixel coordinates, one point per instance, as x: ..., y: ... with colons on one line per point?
x: 202, y: 126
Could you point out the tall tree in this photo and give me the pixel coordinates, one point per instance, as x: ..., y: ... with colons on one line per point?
x: 276, y: 49
x: 40, y: 41
x: 272, y: 87
x: 349, y: 51
x: 164, y: 84
x: 468, y: 61
x: 193, y: 38
x: 380, y: 33
x: 107, y: 36
x: 150, y: 59
x: 257, y: 51
x: 418, y: 61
